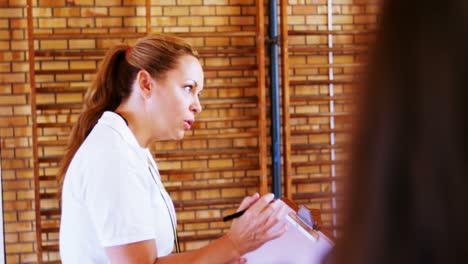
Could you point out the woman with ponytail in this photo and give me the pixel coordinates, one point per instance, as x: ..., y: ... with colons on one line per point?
x: 114, y: 207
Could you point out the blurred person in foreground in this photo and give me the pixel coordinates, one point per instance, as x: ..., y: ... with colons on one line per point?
x: 406, y: 195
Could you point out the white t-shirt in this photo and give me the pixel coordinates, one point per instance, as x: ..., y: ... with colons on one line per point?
x: 110, y: 197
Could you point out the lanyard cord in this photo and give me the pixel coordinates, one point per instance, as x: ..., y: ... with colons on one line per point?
x: 174, y: 228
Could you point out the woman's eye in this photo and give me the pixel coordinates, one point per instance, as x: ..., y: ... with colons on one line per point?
x: 188, y: 88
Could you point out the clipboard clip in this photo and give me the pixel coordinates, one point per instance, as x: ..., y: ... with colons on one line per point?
x: 305, y: 228
x: 306, y: 216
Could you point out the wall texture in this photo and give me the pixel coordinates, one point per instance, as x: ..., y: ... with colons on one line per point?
x: 15, y: 132
x: 218, y: 163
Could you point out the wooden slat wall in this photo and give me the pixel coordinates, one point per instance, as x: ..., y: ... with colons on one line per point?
x: 306, y: 94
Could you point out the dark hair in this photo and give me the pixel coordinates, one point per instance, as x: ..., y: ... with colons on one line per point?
x: 406, y: 194
x: 113, y: 82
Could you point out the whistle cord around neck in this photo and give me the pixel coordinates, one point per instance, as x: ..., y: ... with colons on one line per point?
x: 174, y: 228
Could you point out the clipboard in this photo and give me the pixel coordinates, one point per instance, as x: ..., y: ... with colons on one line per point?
x: 302, y: 243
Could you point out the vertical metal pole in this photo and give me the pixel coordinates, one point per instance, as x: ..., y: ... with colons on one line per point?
x: 274, y: 97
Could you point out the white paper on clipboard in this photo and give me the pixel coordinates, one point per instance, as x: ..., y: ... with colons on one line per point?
x: 296, y: 246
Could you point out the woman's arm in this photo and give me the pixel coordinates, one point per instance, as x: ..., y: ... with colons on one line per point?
x: 221, y: 250
x: 247, y: 233
x: 139, y: 252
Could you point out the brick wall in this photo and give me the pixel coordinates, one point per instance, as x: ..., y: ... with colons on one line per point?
x: 217, y: 164
x: 15, y: 134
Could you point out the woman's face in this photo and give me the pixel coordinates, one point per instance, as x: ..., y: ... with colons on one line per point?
x: 175, y: 100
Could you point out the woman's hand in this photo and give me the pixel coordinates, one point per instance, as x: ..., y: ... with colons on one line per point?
x: 255, y: 226
x: 238, y: 261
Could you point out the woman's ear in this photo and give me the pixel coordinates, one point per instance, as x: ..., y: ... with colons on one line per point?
x: 145, y: 83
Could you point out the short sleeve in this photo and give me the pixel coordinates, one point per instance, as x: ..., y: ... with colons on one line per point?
x: 118, y: 198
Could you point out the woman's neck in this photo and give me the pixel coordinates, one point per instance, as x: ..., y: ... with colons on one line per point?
x: 136, y: 124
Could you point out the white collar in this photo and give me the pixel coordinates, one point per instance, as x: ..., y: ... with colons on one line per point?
x: 117, y: 123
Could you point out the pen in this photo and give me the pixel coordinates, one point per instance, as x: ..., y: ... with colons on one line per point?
x: 234, y: 215
x: 238, y: 214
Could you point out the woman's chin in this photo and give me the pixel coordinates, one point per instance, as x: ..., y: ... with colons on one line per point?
x: 179, y: 136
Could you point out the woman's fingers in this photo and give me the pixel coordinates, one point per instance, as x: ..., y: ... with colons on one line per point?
x: 271, y: 215
x: 239, y: 261
x: 259, y: 223
x: 248, y: 201
x: 260, y: 204
x: 269, y: 220
x: 274, y: 233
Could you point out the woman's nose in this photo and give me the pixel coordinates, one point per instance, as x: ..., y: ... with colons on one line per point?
x: 196, y: 107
